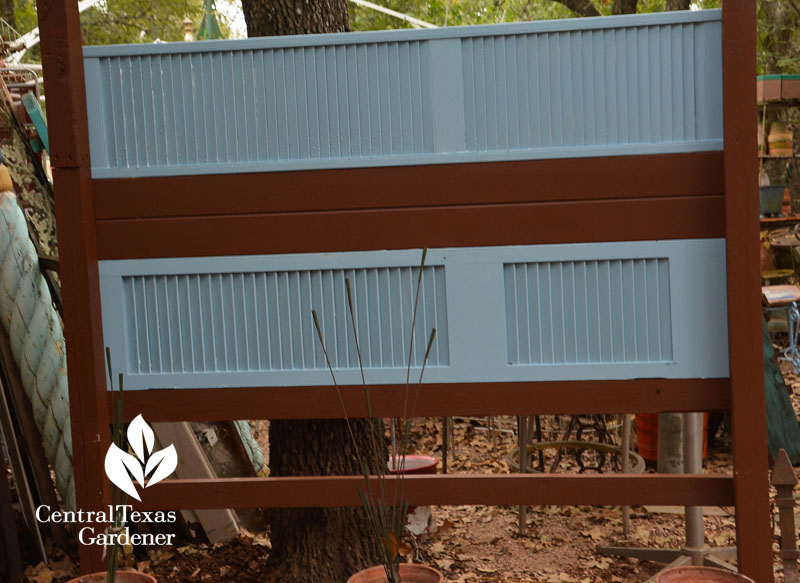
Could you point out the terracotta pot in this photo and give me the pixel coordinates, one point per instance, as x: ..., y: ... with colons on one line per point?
x: 413, y: 465
x: 122, y: 577
x: 700, y: 575
x: 409, y: 573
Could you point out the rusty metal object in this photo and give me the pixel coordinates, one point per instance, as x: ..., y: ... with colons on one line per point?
x: 784, y: 480
x: 580, y: 451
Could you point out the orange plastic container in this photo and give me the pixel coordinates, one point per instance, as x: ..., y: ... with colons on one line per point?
x: 647, y: 435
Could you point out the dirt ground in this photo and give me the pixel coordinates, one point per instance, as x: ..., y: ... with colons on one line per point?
x: 477, y: 544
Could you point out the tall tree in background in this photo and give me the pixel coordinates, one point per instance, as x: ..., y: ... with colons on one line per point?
x: 282, y: 17
x: 313, y: 545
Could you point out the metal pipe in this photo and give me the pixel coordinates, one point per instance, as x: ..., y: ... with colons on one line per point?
x: 693, y: 464
x: 625, y: 448
x: 523, y: 468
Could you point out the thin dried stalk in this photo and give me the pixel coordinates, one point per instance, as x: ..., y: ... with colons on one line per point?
x: 387, y: 523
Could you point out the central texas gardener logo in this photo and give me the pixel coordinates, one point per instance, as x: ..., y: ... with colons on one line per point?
x: 122, y: 468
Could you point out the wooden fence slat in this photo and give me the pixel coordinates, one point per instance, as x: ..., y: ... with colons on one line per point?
x: 639, y: 219
x: 451, y: 490
x: 575, y: 179
x: 432, y: 400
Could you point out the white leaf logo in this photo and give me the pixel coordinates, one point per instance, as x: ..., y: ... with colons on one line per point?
x: 117, y: 465
x: 140, y: 435
x: 121, y: 466
x: 163, y: 462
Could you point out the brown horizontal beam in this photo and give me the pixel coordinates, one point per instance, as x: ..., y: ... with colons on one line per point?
x: 463, y: 226
x: 411, y: 186
x: 440, y: 490
x: 432, y: 400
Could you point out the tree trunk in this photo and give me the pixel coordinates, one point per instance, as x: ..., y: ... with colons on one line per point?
x: 314, y: 545
x: 282, y: 17
x: 624, y: 7
x: 319, y: 545
x: 580, y: 7
x: 678, y: 4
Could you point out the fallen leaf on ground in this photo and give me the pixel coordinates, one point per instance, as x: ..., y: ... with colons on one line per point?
x: 444, y: 564
x: 596, y: 533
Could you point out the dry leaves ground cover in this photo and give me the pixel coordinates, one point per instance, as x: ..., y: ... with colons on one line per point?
x: 475, y: 544
x: 483, y: 544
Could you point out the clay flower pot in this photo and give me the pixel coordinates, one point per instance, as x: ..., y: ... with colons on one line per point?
x: 700, y: 575
x: 122, y: 577
x: 409, y: 573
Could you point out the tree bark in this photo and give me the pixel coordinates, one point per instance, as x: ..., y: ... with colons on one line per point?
x: 580, y: 7
x: 624, y: 7
x: 282, y: 17
x: 315, y: 545
x: 320, y: 545
x: 678, y: 4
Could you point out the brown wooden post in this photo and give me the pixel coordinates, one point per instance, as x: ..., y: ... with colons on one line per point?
x: 62, y: 59
x: 748, y: 410
x: 785, y: 480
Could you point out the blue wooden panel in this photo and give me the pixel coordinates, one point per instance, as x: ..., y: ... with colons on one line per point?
x: 585, y: 87
x: 262, y: 321
x: 644, y: 309
x: 262, y: 107
x: 604, y: 311
x: 592, y: 88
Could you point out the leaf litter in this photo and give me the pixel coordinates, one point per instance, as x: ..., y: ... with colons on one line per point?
x: 470, y: 544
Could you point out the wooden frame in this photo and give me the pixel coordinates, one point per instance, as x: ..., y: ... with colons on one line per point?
x: 669, y: 196
x: 748, y: 409
x: 551, y: 398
